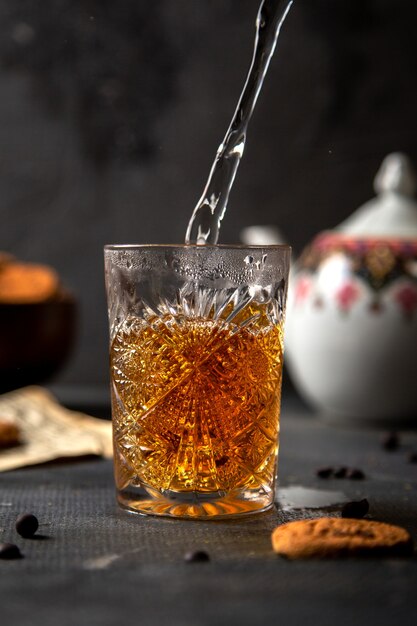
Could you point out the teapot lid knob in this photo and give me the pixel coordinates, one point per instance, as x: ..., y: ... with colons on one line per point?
x: 396, y: 175
x: 393, y: 213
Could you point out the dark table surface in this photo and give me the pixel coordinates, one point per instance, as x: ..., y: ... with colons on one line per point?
x: 94, y: 564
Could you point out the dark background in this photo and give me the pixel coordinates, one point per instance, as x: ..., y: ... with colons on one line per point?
x: 111, y: 113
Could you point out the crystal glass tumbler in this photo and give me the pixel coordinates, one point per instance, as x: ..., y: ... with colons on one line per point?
x: 196, y: 355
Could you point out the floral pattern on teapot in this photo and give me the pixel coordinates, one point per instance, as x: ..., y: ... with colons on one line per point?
x: 369, y: 266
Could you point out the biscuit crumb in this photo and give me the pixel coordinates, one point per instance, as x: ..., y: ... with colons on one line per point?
x: 9, y: 433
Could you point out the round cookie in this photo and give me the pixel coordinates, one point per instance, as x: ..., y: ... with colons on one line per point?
x: 23, y: 283
x: 332, y: 537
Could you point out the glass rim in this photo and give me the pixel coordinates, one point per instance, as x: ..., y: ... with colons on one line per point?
x: 194, y: 246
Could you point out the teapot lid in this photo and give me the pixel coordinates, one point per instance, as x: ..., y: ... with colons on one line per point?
x: 393, y: 212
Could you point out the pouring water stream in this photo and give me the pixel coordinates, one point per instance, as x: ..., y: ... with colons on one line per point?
x: 204, y: 225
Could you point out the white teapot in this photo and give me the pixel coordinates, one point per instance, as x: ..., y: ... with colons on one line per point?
x: 351, y: 327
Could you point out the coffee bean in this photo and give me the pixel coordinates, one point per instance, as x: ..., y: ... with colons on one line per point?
x: 340, y: 472
x: 324, y: 472
x: 355, y: 509
x: 9, y: 551
x: 27, y: 525
x: 355, y: 474
x: 390, y: 441
x: 412, y: 457
x: 197, y: 556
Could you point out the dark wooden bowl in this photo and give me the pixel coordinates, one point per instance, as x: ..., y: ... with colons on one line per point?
x: 35, y: 340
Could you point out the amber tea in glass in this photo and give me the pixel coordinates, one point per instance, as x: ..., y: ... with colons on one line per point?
x: 196, y: 355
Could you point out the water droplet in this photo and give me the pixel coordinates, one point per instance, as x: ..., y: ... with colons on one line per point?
x: 299, y: 497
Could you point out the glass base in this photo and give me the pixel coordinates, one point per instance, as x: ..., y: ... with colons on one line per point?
x: 195, y: 505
